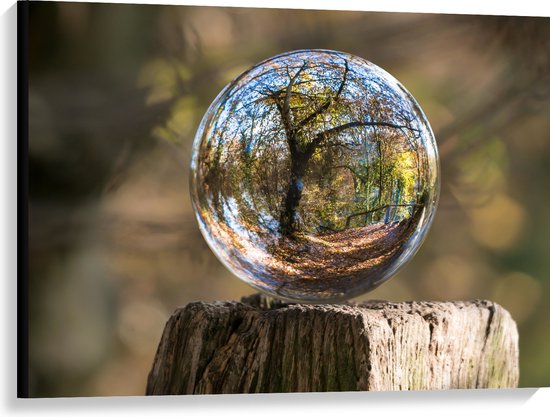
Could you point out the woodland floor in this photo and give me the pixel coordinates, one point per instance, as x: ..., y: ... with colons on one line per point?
x: 331, y: 262
x: 336, y: 261
x: 341, y: 253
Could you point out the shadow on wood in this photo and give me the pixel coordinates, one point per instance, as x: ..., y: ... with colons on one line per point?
x: 262, y: 345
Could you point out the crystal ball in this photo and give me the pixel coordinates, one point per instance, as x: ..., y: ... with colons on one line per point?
x: 314, y: 176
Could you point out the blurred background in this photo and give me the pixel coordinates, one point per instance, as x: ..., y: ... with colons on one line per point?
x: 116, y: 93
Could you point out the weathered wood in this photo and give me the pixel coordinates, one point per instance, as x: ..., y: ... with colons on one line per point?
x: 261, y: 345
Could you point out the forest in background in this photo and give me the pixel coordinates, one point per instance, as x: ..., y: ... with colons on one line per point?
x: 116, y: 93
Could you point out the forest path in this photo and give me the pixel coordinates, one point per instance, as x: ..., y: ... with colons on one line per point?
x: 340, y: 253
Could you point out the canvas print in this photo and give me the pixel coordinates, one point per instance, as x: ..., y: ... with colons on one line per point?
x: 245, y: 200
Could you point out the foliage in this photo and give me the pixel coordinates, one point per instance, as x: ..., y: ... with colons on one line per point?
x: 328, y: 137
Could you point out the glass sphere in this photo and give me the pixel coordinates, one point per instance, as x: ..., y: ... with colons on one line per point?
x: 314, y: 176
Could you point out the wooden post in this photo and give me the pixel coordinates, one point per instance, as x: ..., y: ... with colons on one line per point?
x: 261, y: 345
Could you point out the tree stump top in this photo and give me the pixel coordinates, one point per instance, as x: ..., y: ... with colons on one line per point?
x: 265, y: 345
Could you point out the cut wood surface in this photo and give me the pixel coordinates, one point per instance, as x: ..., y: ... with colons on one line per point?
x: 262, y: 345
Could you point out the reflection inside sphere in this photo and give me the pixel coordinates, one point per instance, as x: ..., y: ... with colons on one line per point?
x: 314, y: 176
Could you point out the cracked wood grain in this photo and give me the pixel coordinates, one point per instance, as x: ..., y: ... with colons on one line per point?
x: 262, y: 345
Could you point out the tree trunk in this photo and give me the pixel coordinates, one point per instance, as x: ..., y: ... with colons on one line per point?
x: 288, y: 222
x: 260, y: 345
x: 380, y: 179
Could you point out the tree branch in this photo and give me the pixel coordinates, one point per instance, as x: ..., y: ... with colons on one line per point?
x: 364, y: 213
x: 327, y: 103
x: 351, y: 125
x: 346, y: 71
x: 352, y: 170
x: 320, y: 137
x: 286, y: 106
x: 284, y: 109
x: 289, y: 132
